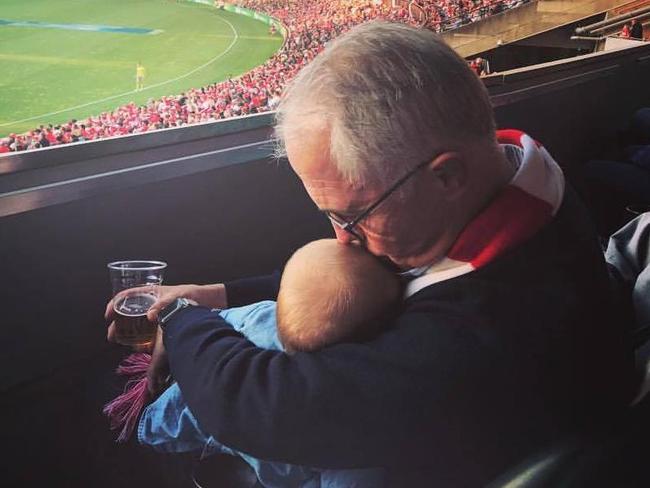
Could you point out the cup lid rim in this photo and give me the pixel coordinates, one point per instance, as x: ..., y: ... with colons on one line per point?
x: 146, y: 265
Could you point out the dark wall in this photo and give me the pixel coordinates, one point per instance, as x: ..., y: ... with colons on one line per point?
x: 212, y: 226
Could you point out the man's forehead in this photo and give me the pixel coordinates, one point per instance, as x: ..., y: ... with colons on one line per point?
x: 309, y: 155
x: 319, y: 173
x: 325, y: 185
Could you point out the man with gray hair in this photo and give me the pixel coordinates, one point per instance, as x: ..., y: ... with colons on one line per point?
x: 506, y: 338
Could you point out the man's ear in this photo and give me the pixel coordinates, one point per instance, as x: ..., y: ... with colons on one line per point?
x: 450, y: 169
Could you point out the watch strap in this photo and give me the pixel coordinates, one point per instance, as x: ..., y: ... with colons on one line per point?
x: 165, y: 315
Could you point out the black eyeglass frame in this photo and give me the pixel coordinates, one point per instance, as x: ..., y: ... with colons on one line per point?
x: 348, y: 226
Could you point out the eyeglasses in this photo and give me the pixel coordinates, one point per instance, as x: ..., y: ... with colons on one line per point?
x: 349, y: 225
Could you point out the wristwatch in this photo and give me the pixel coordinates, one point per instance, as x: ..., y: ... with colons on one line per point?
x: 165, y: 315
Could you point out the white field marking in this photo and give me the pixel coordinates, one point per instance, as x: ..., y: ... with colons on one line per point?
x: 245, y: 38
x: 112, y: 97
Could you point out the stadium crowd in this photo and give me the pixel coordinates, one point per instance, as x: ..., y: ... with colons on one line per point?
x: 444, y: 15
x: 310, y: 25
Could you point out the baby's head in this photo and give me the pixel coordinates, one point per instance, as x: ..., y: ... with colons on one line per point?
x: 331, y: 293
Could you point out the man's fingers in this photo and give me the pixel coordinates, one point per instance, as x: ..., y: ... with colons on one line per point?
x: 162, y: 302
x: 109, y: 312
x: 152, y: 313
x: 167, y: 295
x: 110, y: 333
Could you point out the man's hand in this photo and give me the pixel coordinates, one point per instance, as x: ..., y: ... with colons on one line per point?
x: 213, y: 296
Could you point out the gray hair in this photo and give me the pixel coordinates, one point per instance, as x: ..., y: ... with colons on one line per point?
x: 390, y: 96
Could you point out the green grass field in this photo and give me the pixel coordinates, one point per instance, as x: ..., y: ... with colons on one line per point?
x: 48, y: 70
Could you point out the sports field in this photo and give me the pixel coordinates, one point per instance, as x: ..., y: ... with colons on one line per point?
x: 65, y: 59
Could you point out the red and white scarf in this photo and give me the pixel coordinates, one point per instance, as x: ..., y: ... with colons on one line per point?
x: 519, y: 211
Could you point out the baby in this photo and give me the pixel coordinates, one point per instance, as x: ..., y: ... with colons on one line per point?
x: 329, y: 293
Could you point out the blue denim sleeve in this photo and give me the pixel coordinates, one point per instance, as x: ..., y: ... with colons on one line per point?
x: 168, y: 425
x: 256, y: 322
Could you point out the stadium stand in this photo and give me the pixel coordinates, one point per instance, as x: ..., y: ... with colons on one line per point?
x: 310, y: 25
x: 446, y: 15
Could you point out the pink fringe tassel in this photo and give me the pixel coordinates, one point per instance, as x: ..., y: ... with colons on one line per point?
x: 124, y: 411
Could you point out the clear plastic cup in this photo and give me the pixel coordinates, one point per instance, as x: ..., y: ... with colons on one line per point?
x: 136, y: 287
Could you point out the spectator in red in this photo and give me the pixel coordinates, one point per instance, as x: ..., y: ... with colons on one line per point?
x: 625, y: 32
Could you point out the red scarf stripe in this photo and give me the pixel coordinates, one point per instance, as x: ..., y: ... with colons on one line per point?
x: 490, y: 234
x: 513, y: 136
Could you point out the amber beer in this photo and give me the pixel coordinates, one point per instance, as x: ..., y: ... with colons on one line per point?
x: 131, y: 325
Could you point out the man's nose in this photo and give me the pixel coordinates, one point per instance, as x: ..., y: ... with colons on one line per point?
x: 343, y: 236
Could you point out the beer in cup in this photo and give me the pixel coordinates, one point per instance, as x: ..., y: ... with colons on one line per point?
x: 136, y: 287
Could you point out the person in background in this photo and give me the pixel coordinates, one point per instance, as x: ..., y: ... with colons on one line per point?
x: 636, y: 30
x: 628, y: 256
x: 140, y: 73
x: 625, y: 32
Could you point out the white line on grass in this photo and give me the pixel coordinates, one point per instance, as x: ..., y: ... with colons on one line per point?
x: 112, y: 97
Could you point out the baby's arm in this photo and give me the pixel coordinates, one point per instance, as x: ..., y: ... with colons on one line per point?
x: 256, y: 322
x: 168, y: 425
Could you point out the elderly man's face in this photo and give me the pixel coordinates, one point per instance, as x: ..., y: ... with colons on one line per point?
x: 403, y: 230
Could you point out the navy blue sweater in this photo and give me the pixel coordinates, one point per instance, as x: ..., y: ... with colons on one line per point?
x: 473, y: 374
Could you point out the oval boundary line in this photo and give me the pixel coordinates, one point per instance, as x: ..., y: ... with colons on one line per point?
x: 156, y: 85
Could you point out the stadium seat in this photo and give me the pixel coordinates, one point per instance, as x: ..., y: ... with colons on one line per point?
x: 613, y: 456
